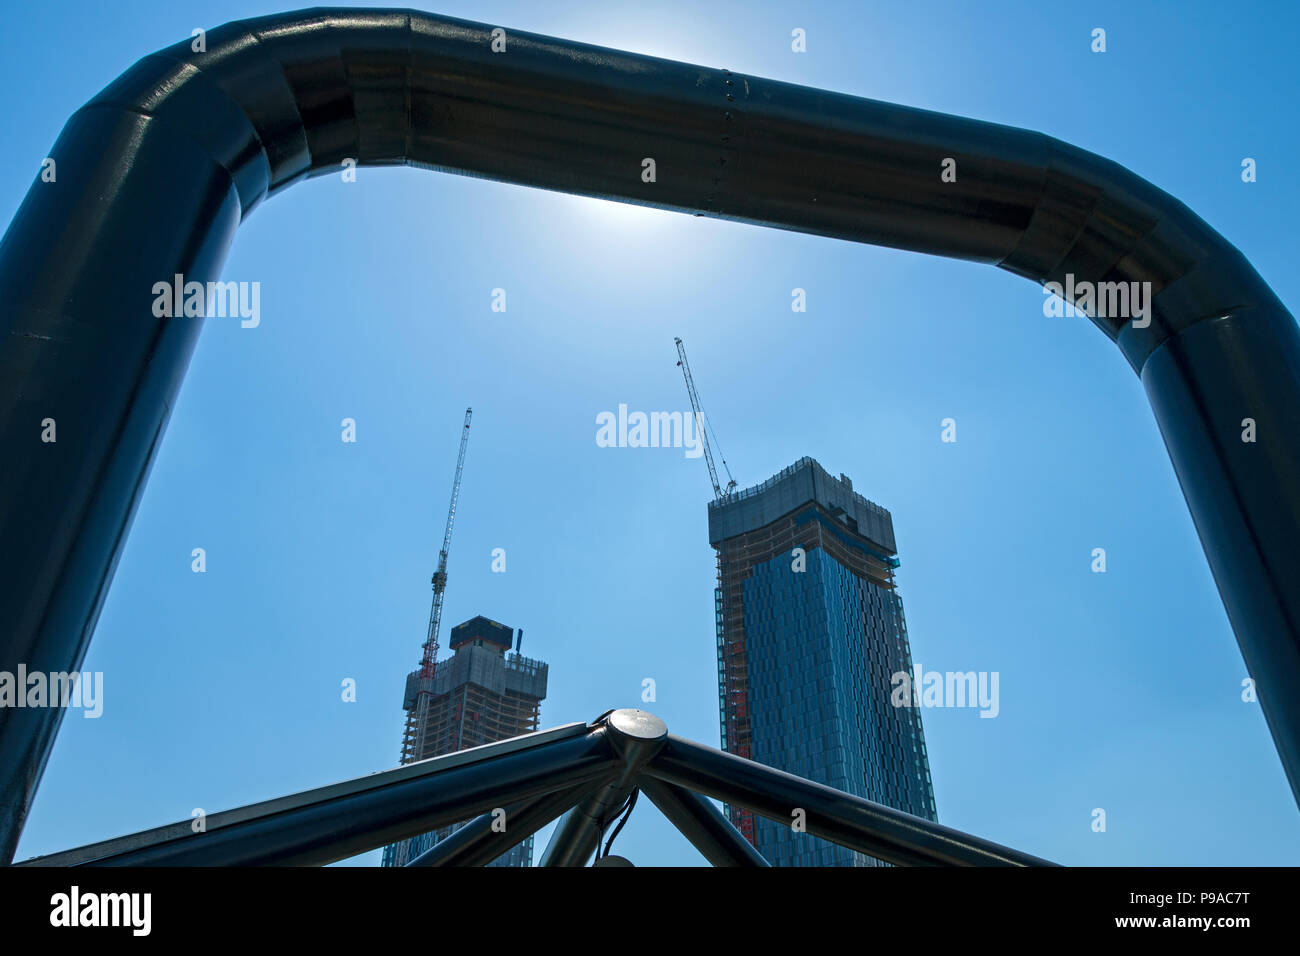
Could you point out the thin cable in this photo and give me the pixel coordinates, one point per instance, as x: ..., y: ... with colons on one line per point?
x: 604, y: 825
x: 631, y: 802
x: 716, y: 444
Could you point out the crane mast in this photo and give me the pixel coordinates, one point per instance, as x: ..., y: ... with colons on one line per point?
x: 429, y: 657
x: 701, y: 419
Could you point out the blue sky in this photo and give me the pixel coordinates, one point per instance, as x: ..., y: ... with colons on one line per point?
x: 1118, y: 690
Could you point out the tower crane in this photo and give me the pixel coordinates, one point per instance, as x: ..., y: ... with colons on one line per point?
x: 701, y: 420
x: 429, y: 658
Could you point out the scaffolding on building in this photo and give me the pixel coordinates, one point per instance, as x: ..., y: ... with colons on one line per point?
x: 468, y: 713
x: 479, y: 695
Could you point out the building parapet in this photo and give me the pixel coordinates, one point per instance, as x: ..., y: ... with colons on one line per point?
x: 804, y: 481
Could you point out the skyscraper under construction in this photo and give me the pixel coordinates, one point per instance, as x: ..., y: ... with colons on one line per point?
x: 481, y: 694
x: 810, y: 632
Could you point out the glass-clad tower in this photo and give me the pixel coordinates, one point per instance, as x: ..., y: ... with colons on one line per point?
x: 810, y: 632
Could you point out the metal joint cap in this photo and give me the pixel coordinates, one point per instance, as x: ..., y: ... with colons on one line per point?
x: 636, y: 736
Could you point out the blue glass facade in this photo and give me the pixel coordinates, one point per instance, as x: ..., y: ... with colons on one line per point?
x: 810, y: 632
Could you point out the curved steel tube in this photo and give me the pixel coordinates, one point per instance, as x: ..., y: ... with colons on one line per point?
x: 157, y: 171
